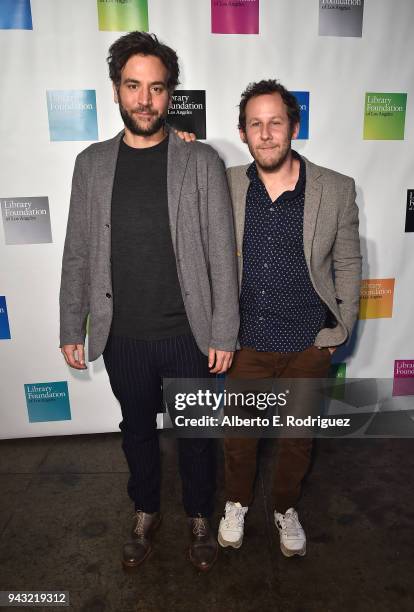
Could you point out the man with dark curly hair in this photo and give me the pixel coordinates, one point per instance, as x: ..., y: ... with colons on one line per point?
x: 150, y: 258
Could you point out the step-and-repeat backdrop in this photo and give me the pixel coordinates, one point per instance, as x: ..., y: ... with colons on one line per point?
x: 349, y: 63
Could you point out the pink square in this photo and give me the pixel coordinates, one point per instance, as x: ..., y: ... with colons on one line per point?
x: 235, y: 16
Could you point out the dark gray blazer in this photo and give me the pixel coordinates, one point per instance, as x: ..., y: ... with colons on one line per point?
x: 330, y: 242
x: 202, y: 235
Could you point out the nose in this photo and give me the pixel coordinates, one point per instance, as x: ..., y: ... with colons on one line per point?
x: 265, y: 133
x: 144, y: 96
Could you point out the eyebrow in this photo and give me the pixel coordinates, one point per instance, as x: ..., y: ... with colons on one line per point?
x: 136, y: 82
x: 270, y: 118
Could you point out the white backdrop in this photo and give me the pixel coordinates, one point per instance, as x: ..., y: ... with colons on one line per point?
x: 65, y: 50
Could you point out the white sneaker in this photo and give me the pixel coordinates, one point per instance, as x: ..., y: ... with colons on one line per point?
x: 292, y: 536
x: 231, y: 526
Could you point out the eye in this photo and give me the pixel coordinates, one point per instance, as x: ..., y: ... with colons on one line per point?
x: 132, y: 86
x: 158, y: 89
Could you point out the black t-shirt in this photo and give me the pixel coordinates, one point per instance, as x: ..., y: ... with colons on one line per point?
x: 148, y: 303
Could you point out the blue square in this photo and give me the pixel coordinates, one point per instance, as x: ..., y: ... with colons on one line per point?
x: 15, y: 15
x: 303, y: 100
x: 72, y: 114
x: 48, y: 401
x: 4, y: 320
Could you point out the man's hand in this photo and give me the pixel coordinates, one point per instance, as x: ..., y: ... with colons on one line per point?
x: 221, y: 360
x: 74, y: 355
x: 331, y: 349
x: 187, y: 136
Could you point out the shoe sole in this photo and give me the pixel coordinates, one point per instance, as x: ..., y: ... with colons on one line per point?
x: 291, y: 553
x: 129, y: 565
x: 225, y: 543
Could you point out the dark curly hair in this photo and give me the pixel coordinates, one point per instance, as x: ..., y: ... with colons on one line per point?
x: 269, y: 86
x: 142, y: 43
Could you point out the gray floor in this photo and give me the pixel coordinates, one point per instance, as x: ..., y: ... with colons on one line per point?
x: 64, y: 513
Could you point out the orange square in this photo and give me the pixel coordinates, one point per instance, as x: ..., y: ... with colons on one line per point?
x: 377, y: 297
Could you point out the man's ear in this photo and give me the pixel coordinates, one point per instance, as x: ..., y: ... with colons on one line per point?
x: 295, y: 131
x: 115, y: 91
x: 242, y: 135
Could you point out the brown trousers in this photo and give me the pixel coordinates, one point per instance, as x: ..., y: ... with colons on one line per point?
x: 293, y: 454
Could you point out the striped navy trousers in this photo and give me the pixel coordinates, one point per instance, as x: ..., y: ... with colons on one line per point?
x: 135, y: 369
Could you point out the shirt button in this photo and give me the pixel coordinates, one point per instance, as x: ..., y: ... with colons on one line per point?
x: 108, y: 295
x: 272, y: 209
x: 263, y: 291
x: 266, y: 266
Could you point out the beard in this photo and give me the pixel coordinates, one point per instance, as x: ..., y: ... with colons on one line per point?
x: 133, y: 126
x: 271, y: 163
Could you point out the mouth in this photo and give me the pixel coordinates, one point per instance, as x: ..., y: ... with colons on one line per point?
x: 144, y: 113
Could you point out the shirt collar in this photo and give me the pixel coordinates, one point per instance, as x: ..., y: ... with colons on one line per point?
x: 253, y: 175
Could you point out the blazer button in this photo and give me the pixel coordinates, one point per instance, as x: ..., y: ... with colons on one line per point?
x: 107, y: 225
x: 108, y: 295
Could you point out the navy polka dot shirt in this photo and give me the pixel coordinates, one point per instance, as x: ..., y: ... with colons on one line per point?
x: 280, y: 309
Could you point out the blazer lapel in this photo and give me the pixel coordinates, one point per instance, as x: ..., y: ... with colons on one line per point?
x: 239, y: 189
x: 178, y: 155
x: 106, y: 173
x: 313, y: 193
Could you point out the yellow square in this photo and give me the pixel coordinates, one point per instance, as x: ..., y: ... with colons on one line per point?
x: 377, y: 297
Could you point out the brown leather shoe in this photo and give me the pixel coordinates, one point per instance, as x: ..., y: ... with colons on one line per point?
x: 137, y: 549
x: 203, y: 547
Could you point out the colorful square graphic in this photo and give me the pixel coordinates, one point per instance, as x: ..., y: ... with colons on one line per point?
x: 187, y: 111
x: 72, y: 114
x: 409, y: 215
x: 47, y: 401
x: 384, y: 116
x: 124, y: 16
x: 403, y: 377
x: 303, y: 100
x: 229, y: 17
x: 338, y: 372
x: 26, y: 220
x: 377, y: 297
x: 15, y: 15
x: 341, y: 17
x: 4, y: 320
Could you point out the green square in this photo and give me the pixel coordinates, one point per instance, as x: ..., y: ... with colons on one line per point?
x: 338, y: 372
x: 384, y: 116
x: 123, y: 15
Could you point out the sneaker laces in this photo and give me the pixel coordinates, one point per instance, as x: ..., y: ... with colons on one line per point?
x: 290, y: 524
x: 234, y: 516
x: 199, y: 526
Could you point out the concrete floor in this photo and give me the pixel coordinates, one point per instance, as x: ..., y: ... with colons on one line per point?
x: 64, y: 514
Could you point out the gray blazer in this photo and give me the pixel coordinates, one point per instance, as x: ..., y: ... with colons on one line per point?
x: 330, y: 242
x: 202, y: 236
